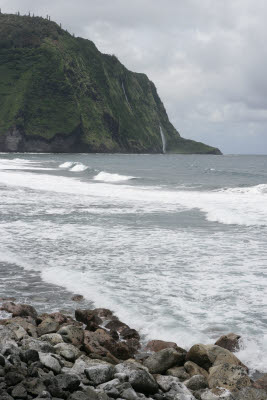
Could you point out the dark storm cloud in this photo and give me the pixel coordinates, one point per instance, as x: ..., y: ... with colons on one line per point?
x: 208, y: 58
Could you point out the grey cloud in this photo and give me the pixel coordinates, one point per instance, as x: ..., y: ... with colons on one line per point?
x: 208, y: 58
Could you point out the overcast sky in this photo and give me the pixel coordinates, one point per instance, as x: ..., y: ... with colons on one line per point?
x: 208, y: 58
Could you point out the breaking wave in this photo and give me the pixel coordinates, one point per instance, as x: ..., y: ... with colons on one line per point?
x: 107, y: 177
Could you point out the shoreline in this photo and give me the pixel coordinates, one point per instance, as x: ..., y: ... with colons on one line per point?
x: 106, y: 359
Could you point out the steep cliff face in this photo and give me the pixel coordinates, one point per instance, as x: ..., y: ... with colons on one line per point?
x: 60, y: 94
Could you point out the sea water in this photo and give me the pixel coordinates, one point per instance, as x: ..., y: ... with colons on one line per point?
x: 176, y: 245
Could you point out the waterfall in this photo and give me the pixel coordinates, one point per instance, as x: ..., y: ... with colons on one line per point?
x: 163, y: 140
x: 125, y: 95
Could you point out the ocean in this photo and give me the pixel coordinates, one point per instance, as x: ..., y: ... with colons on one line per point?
x: 175, y: 245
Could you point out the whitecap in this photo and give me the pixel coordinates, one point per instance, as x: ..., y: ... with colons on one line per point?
x: 78, y: 167
x: 67, y: 164
x: 107, y: 177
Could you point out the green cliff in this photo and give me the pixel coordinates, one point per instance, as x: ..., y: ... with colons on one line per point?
x: 60, y: 94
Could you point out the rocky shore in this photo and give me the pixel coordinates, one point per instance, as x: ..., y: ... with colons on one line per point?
x: 95, y: 356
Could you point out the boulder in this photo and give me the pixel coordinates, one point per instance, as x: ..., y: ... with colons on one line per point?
x: 209, y: 355
x: 52, y: 338
x: 178, y: 372
x: 50, y: 362
x: 34, y: 386
x: 193, y: 369
x: 157, y: 345
x: 28, y: 323
x: 161, y: 361
x: 67, y: 351
x: 196, y: 382
x: 129, y: 333
x: 229, y: 342
x: 19, y: 392
x: 38, y: 345
x: 77, y: 297
x: 48, y: 325
x: 116, y: 325
x: 72, y: 334
x: 62, y: 383
x: 228, y: 376
x: 138, y: 376
x: 100, y: 373
x: 20, y: 310
x: 83, y: 363
x: 166, y: 382
x: 87, y: 317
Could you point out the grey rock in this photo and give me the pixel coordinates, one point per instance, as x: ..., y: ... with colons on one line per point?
x: 34, y: 386
x: 196, y: 382
x: 161, y: 361
x: 129, y: 394
x: 52, y: 338
x: 50, y: 362
x: 12, y: 378
x: 166, y: 382
x: 19, y: 392
x: 100, y: 373
x: 138, y: 376
x: 37, y: 345
x: 84, y: 362
x: 178, y: 372
x: 67, y: 351
x: 31, y: 356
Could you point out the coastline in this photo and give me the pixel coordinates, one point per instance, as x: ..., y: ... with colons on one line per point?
x: 97, y: 356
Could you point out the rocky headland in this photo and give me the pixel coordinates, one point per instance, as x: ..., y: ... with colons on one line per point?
x: 95, y: 356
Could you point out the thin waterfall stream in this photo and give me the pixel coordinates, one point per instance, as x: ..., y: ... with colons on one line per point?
x: 163, y: 140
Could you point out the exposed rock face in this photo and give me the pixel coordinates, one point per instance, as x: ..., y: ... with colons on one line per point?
x: 229, y: 342
x: 72, y: 98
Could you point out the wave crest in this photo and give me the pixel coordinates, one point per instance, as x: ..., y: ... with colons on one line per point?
x: 107, y: 177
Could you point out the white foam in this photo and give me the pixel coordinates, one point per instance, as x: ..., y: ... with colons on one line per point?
x: 79, y: 167
x: 67, y: 164
x: 107, y: 177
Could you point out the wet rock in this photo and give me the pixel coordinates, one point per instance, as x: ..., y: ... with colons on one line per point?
x: 116, y: 325
x: 261, y: 383
x: 161, y: 361
x: 67, y: 351
x: 50, y: 362
x: 193, y: 369
x: 228, y: 376
x: 87, y: 317
x: 129, y: 333
x: 100, y: 373
x: 72, y: 334
x: 48, y: 325
x: 229, y: 342
x: 196, y: 382
x: 77, y: 297
x: 104, y: 313
x: 178, y: 372
x: 19, y: 310
x: 52, y: 338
